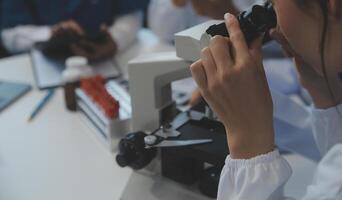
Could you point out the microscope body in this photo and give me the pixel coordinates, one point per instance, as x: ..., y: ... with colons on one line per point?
x: 150, y: 78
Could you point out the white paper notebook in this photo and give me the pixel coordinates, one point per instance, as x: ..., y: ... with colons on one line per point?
x: 48, y: 72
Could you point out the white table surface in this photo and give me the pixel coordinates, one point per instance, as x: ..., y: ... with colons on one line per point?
x: 57, y: 157
x: 54, y: 157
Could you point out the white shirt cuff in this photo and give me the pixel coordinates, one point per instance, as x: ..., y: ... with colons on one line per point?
x: 261, y: 177
x: 262, y: 159
x: 22, y: 38
x: 327, y: 112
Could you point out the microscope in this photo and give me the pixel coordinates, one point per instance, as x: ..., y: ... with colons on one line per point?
x: 154, y: 113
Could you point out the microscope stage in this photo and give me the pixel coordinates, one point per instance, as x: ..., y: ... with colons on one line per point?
x: 213, y: 153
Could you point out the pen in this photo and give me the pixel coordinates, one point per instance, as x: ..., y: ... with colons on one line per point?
x: 41, y: 104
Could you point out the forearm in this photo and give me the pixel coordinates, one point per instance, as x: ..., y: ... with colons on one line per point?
x: 125, y: 29
x: 22, y: 38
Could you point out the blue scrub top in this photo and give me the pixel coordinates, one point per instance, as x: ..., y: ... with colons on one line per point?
x: 90, y: 14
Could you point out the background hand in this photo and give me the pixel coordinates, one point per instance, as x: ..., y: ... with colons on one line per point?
x: 96, y: 51
x: 70, y: 26
x: 232, y: 80
x: 62, y: 36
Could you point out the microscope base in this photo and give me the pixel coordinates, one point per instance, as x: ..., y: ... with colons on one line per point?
x: 147, y: 186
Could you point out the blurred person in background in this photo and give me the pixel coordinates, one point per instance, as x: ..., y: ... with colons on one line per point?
x: 26, y: 22
x: 3, y: 52
x: 167, y: 17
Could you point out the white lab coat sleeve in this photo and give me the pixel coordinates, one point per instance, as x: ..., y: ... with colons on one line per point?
x: 23, y: 37
x: 125, y: 29
x: 262, y: 178
x: 327, y: 182
x: 327, y: 127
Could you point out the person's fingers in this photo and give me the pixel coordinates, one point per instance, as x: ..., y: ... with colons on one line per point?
x: 88, y: 44
x: 256, y: 49
x: 196, y: 98
x: 54, y: 30
x: 104, y: 30
x: 79, y: 51
x: 256, y: 53
x: 79, y: 30
x: 66, y: 26
x: 57, y: 30
x: 103, y: 27
x: 237, y: 37
x: 74, y: 26
x: 208, y: 63
x: 198, y: 73
x: 220, y: 50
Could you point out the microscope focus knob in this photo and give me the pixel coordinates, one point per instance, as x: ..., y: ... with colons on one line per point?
x: 122, y: 161
x: 150, y: 140
x: 165, y: 128
x: 132, y: 151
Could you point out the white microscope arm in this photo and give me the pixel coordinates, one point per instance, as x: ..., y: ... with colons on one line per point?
x: 150, y: 77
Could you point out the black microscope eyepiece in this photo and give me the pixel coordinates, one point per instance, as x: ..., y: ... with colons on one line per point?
x: 253, y: 22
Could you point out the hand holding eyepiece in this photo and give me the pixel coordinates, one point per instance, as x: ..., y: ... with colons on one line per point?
x: 253, y: 23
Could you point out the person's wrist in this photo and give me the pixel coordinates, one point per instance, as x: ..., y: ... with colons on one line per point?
x: 247, y: 145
